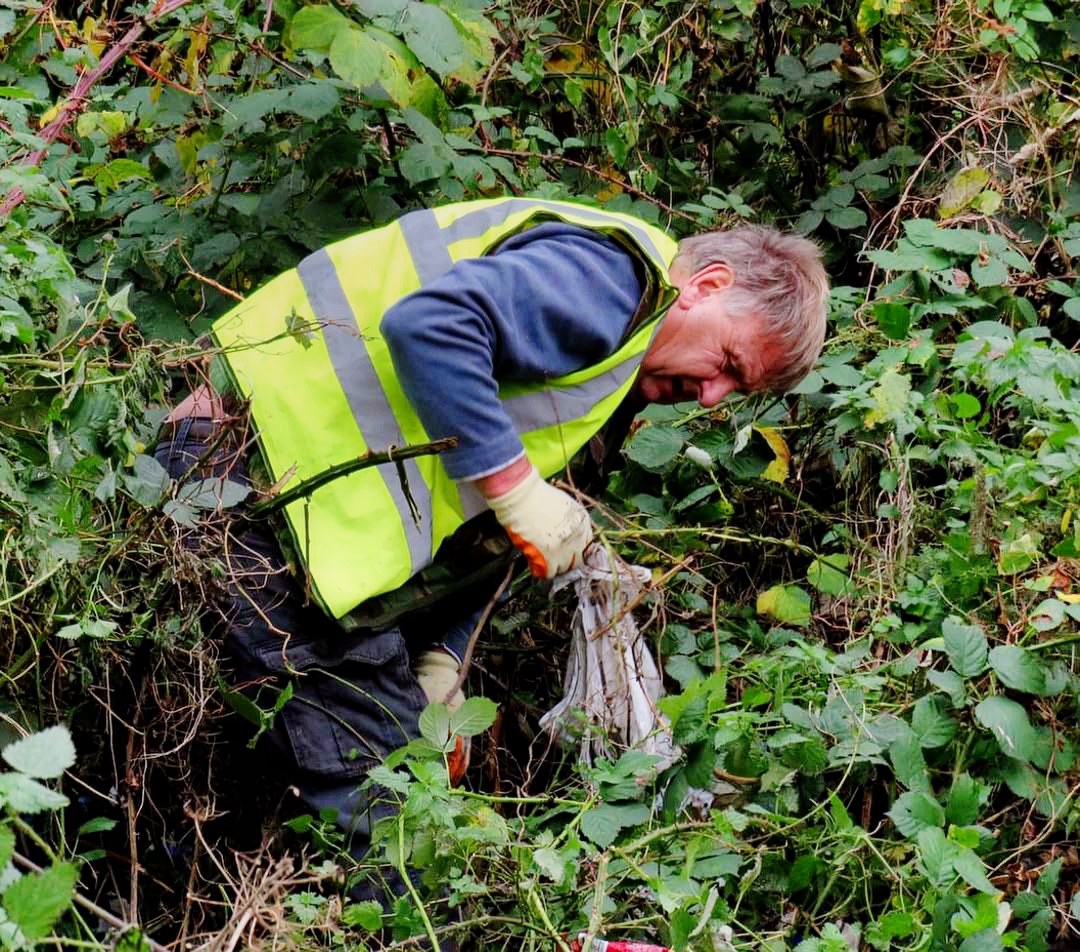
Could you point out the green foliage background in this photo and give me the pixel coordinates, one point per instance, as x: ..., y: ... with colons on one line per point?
x: 868, y: 618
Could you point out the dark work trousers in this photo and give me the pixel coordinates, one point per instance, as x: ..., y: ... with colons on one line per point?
x: 355, y: 695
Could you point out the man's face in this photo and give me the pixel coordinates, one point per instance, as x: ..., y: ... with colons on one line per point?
x: 701, y: 352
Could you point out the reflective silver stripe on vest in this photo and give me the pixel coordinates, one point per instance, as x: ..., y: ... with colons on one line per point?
x: 474, y: 224
x: 370, y: 408
x: 427, y: 246
x: 534, y: 411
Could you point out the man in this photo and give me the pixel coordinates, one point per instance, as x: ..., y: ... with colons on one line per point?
x: 523, y: 328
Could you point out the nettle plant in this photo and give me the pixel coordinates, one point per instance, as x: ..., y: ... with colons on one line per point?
x: 31, y: 903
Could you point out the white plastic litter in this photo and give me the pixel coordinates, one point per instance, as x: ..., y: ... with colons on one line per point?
x: 611, y: 675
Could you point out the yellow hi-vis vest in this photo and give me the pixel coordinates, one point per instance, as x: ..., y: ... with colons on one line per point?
x: 306, y: 350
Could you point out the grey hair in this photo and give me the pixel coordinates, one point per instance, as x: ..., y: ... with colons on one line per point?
x: 777, y: 276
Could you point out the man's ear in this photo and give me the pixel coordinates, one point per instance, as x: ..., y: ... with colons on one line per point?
x: 712, y: 279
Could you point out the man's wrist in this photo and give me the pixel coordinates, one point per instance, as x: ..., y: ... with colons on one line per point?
x: 502, y: 481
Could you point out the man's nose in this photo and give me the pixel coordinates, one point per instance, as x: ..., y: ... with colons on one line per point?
x: 711, y: 392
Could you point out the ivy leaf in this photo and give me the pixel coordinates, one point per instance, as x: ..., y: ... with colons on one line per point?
x: 43, y: 755
x: 37, y: 900
x: 654, y: 447
x: 356, y: 57
x: 788, y: 604
x: 1018, y: 669
x: 474, y: 717
x: 602, y: 823
x: 1009, y: 724
x: 913, y: 812
x: 965, y: 646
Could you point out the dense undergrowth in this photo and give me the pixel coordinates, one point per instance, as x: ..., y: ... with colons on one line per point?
x: 868, y: 593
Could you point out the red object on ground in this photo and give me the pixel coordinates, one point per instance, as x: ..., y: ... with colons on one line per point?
x: 602, y: 945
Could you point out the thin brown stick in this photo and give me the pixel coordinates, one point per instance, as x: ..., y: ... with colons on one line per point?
x: 76, y: 99
x: 210, y: 282
x: 474, y: 637
x: 115, y: 921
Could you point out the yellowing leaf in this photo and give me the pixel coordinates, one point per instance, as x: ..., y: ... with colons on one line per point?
x: 788, y: 604
x: 777, y: 470
x: 48, y: 116
x: 1070, y: 598
x: 961, y: 191
x: 95, y: 39
x: 890, y: 397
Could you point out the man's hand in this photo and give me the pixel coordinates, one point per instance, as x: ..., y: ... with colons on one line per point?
x: 437, y: 672
x: 551, y: 528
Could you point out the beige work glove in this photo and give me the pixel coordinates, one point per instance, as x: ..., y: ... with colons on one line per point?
x: 548, y: 526
x: 437, y: 672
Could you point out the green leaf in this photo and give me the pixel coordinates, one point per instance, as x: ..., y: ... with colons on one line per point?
x: 381, y: 8
x: 970, y: 868
x: 893, y: 319
x: 367, y: 915
x: 602, y: 823
x: 965, y: 646
x: 148, y: 481
x: 1018, y: 669
x: 474, y: 717
x: 7, y: 845
x: 37, y: 900
x: 654, y: 447
x: 43, y: 755
x: 315, y: 28
x: 434, y: 39
x: 1009, y: 724
x: 25, y: 795
x: 913, y: 812
x: 788, y: 604
x: 891, y: 395
x: 951, y: 683
x: 931, y: 724
x: 908, y: 762
x: 935, y: 855
x: 962, y: 803
x: 846, y: 218
x: 990, y: 273
x: 435, y: 726
x: 356, y: 57
x: 965, y: 406
x: 987, y: 940
x: 828, y: 574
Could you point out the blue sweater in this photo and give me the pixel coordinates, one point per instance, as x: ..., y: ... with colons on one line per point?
x: 551, y: 300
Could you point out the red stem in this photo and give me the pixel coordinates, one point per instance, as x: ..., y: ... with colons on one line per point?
x: 76, y: 98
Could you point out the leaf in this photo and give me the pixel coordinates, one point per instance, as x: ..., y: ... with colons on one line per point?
x: 37, y: 900
x: 965, y: 646
x: 788, y: 604
x: 935, y: 855
x: 828, y: 574
x: 951, y: 683
x: 890, y: 397
x: 913, y: 812
x: 965, y: 406
x: 434, y: 39
x: 602, y: 823
x: 846, y: 218
x: 893, y: 319
x: 367, y: 915
x: 44, y: 755
x: 474, y: 717
x: 961, y: 191
x: 316, y: 27
x: 1018, y: 669
x: 986, y: 940
x: 654, y: 447
x: 356, y: 57
x: 777, y: 470
x: 25, y: 795
x: 931, y: 724
x: 909, y: 765
x: 970, y: 868
x: 148, y: 481
x: 434, y: 726
x: 990, y: 273
x: 1009, y: 724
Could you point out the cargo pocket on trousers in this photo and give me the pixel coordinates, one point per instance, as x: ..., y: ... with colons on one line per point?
x: 355, y: 698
